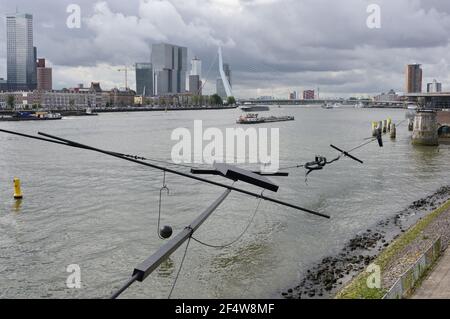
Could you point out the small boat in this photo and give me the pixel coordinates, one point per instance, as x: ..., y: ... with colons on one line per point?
x: 89, y: 112
x: 412, y: 106
x: 329, y: 106
x: 255, y: 119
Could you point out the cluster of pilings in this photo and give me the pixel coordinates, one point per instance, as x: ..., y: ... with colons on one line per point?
x: 384, y: 127
x: 425, y: 128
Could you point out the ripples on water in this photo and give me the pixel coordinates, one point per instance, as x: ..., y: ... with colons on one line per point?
x: 99, y: 212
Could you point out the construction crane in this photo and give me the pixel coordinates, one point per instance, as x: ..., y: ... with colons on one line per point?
x: 125, y: 69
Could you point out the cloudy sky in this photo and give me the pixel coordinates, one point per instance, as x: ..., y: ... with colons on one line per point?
x: 273, y: 46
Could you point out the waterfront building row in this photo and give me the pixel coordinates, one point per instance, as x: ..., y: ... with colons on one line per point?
x: 81, y: 99
x: 75, y: 98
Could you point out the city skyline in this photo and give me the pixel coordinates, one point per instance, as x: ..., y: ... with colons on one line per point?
x: 343, y: 58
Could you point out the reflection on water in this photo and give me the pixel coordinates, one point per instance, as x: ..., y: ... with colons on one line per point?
x: 167, y: 268
x: 240, y: 256
x: 101, y: 213
x: 17, y: 205
x: 424, y: 156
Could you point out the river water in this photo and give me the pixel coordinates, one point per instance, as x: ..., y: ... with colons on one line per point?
x: 100, y: 213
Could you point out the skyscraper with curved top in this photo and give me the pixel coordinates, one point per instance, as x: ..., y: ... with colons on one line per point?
x: 21, y: 54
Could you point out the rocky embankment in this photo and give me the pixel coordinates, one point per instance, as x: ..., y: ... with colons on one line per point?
x: 324, y: 279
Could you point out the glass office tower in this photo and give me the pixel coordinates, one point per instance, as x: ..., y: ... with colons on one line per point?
x: 21, y: 54
x: 144, y: 79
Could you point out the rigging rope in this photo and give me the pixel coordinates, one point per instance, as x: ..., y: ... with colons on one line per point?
x: 320, y: 161
x: 207, y: 73
x: 239, y: 237
x: 141, y: 158
x: 163, y: 188
x: 181, y: 267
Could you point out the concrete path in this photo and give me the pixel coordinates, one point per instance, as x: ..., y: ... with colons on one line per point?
x: 437, y: 285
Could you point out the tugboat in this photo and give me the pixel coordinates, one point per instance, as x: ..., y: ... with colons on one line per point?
x: 47, y: 116
x: 250, y: 118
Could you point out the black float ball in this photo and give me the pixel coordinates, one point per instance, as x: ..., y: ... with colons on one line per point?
x: 166, y: 232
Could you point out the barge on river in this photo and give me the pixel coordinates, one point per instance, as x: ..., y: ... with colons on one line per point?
x: 255, y: 119
x: 30, y: 116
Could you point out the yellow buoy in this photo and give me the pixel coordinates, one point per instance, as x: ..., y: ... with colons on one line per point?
x: 17, y: 190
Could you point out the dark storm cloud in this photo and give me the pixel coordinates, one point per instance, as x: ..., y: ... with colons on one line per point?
x: 282, y: 44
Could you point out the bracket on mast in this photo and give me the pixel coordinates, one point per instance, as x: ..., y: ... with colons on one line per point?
x: 238, y: 174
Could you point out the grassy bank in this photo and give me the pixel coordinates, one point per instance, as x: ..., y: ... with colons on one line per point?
x: 357, y: 288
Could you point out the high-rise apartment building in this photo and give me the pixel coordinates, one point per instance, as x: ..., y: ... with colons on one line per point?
x: 21, y: 54
x: 413, y: 78
x: 195, y: 85
x: 44, y: 76
x: 434, y: 87
x: 309, y: 94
